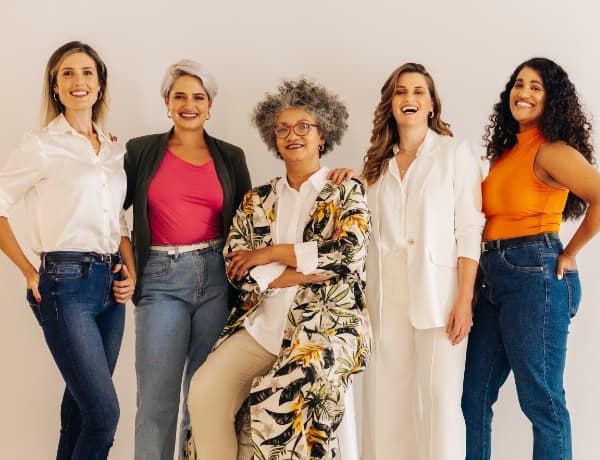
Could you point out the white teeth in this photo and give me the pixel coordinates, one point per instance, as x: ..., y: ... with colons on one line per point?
x: 188, y: 115
x: 79, y: 93
x: 410, y: 109
x: 523, y: 104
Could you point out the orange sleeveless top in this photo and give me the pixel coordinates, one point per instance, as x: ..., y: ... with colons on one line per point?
x: 515, y: 201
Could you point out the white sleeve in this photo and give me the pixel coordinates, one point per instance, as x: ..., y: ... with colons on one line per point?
x: 20, y: 172
x: 307, y: 257
x: 266, y: 274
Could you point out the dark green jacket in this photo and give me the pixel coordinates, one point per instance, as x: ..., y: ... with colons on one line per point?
x: 142, y: 159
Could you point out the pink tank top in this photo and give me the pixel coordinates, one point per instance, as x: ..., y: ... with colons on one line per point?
x: 185, y: 202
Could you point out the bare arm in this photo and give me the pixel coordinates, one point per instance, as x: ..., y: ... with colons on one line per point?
x: 123, y: 289
x: 10, y: 246
x: 562, y: 165
x: 461, y: 316
x: 240, y: 262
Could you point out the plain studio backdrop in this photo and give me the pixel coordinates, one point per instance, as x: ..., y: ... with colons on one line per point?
x: 470, y: 48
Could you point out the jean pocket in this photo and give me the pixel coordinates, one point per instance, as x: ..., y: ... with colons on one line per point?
x: 156, y: 269
x: 523, y: 258
x: 571, y: 278
x: 64, y: 271
x: 35, y: 306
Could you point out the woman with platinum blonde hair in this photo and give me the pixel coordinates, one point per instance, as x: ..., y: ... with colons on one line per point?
x: 184, y: 186
x: 299, y: 330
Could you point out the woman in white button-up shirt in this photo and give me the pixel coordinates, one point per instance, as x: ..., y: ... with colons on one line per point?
x: 70, y: 175
x: 425, y: 195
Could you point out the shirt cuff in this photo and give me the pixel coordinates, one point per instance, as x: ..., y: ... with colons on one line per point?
x: 266, y: 274
x: 123, y: 224
x: 307, y: 257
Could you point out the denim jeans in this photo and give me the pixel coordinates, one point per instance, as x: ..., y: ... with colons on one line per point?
x: 182, y: 308
x: 521, y: 323
x: 83, y: 327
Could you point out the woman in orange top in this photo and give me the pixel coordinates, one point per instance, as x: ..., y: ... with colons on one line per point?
x: 538, y: 143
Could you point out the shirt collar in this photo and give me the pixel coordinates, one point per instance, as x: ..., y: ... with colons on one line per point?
x: 60, y: 125
x: 316, y: 181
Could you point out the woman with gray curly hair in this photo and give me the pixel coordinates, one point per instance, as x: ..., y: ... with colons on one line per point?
x: 184, y: 186
x: 296, y: 251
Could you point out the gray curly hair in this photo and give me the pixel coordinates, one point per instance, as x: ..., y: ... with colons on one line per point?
x: 327, y: 108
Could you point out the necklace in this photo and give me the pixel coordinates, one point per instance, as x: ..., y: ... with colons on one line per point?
x: 410, y: 155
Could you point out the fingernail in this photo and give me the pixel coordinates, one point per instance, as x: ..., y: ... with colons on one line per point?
x: 559, y: 277
x: 38, y: 299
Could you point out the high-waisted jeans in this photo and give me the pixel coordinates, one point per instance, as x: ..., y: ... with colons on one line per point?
x: 83, y: 326
x: 521, y: 323
x: 182, y: 308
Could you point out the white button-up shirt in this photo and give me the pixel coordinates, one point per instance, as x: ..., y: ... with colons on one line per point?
x: 395, y: 192
x: 267, y: 323
x: 73, y: 197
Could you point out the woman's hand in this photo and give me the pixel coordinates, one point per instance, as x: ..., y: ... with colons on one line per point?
x: 565, y: 262
x: 123, y: 289
x: 339, y: 175
x: 292, y: 277
x: 242, y: 261
x: 460, y: 321
x: 32, y: 279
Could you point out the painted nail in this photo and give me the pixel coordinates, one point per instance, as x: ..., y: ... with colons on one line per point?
x: 559, y: 277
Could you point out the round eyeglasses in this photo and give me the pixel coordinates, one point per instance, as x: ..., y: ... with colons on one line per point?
x: 301, y: 129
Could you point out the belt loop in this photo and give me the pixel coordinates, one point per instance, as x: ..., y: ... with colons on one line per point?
x: 176, y: 252
x: 547, y: 240
x: 43, y: 260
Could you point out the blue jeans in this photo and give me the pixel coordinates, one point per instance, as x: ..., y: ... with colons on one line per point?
x: 182, y: 308
x: 83, y: 326
x: 521, y: 323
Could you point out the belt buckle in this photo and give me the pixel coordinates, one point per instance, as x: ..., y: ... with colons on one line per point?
x: 482, y: 246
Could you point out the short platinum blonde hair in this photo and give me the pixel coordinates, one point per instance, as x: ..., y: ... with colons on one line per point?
x: 327, y: 108
x: 192, y: 68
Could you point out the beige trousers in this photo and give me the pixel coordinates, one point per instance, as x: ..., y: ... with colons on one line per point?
x: 413, y: 386
x: 218, y: 390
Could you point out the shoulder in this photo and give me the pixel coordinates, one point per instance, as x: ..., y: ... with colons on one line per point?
x: 557, y: 154
x: 143, y: 142
x: 225, y: 147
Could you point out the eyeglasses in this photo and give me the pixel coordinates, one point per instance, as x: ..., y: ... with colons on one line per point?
x: 301, y: 129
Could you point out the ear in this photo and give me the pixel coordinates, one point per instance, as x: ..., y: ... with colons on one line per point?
x: 167, y: 101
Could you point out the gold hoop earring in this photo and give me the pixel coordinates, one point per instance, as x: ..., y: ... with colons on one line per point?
x: 99, y: 95
x: 169, y: 113
x: 321, y: 148
x: 431, y: 115
x: 55, y: 97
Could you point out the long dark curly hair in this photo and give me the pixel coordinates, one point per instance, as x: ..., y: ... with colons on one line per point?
x: 385, y: 131
x: 562, y: 120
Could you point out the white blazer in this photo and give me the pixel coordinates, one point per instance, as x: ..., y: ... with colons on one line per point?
x: 443, y: 222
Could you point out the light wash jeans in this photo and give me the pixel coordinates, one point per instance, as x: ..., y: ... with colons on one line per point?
x: 182, y: 308
x: 521, y: 324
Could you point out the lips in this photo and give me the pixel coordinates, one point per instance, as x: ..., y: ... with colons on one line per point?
x: 294, y: 146
x: 524, y: 105
x: 188, y: 115
x: 409, y: 109
x: 78, y: 93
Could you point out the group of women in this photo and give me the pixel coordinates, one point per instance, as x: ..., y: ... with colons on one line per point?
x: 254, y: 301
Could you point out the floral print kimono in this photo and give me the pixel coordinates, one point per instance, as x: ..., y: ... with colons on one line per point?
x: 294, y: 410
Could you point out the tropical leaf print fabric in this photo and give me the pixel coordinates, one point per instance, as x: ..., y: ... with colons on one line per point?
x: 294, y: 410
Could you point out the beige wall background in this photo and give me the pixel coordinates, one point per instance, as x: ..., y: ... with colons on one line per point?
x: 470, y: 47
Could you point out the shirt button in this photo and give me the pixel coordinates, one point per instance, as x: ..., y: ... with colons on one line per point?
x: 411, y: 241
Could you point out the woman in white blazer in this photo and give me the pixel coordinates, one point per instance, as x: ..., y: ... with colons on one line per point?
x: 425, y: 197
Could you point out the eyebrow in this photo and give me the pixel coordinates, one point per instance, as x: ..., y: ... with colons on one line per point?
x: 193, y: 94
x: 531, y: 81
x: 73, y: 68
x: 406, y: 87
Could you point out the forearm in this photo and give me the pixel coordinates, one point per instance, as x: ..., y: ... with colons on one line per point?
x: 467, y: 272
x: 284, y: 254
x: 10, y: 246
x: 126, y: 251
x: 589, y: 227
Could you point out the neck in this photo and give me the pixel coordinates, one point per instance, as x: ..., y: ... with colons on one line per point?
x: 80, y: 121
x: 297, y: 174
x: 192, y: 138
x: 411, y: 138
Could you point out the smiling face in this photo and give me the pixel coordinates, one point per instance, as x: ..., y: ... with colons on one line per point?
x: 77, y: 84
x: 188, y: 103
x: 295, y: 148
x: 412, y: 102
x: 527, y: 98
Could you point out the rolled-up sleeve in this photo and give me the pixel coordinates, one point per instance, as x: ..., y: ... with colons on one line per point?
x: 307, y: 257
x: 468, y: 217
x: 21, y: 171
x: 266, y: 274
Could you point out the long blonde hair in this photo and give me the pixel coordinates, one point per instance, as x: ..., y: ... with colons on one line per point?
x: 385, y: 132
x: 51, y: 107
